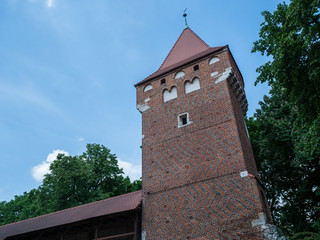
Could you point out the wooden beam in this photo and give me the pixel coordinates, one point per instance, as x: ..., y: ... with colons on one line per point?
x: 116, y: 236
x: 136, y: 225
x: 96, y: 232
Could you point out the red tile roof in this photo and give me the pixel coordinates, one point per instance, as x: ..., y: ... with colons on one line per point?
x: 118, y: 204
x: 179, y: 64
x: 188, y: 48
x: 187, y: 45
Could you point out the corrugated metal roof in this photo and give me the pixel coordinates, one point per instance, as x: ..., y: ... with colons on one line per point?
x: 104, y: 207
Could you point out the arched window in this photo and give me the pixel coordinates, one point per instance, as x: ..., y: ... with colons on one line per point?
x: 168, y: 95
x: 147, y: 88
x: 192, y: 86
x: 179, y: 75
x: 213, y: 60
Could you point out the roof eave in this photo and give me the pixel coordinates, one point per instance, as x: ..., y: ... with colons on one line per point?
x: 176, y: 66
x: 132, y: 199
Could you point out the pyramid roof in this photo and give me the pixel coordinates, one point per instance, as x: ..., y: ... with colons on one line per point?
x: 189, y: 47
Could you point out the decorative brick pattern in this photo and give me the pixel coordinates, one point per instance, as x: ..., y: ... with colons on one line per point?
x: 192, y: 188
x: 195, y: 156
x: 219, y: 208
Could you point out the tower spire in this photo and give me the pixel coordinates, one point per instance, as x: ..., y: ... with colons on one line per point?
x: 185, y: 18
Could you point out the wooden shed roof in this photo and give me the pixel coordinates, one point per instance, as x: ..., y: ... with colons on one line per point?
x: 122, y: 203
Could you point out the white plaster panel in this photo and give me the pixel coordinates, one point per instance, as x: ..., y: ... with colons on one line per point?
x: 142, y: 107
x: 179, y: 75
x: 214, y: 74
x: 168, y: 95
x: 227, y: 72
x: 147, y: 88
x: 214, y: 60
x: 147, y: 100
x: 244, y: 173
x: 190, y: 87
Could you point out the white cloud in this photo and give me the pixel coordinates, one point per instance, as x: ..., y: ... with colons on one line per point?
x: 80, y: 139
x: 133, y: 171
x: 41, y: 169
x: 50, y: 3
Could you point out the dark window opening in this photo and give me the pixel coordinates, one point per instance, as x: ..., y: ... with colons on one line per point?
x: 163, y: 81
x: 183, y: 119
x: 196, y: 68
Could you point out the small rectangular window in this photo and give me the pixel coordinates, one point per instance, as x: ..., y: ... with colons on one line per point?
x: 196, y: 68
x: 163, y: 81
x: 183, y: 120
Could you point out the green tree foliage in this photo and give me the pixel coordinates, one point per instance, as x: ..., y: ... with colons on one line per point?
x: 21, y: 207
x: 289, y: 171
x: 291, y: 36
x: 72, y: 181
x: 75, y: 180
x: 305, y: 236
x: 285, y: 132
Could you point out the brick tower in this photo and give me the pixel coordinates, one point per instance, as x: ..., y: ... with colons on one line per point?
x: 198, y: 170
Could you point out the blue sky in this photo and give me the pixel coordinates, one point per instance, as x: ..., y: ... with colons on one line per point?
x: 67, y: 70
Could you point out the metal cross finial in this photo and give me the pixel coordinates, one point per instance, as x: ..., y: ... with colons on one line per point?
x: 185, y: 18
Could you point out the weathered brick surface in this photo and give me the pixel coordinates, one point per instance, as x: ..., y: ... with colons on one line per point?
x: 243, y: 135
x: 219, y: 208
x: 192, y: 187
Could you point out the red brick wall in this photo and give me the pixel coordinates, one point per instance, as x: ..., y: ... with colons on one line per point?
x: 191, y: 175
x: 243, y: 135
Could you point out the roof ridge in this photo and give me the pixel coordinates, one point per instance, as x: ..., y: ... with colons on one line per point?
x: 198, y: 37
x: 68, y: 209
x: 188, y: 44
x: 172, y: 49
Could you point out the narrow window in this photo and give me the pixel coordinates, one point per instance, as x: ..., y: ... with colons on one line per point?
x: 196, y: 68
x: 163, y: 81
x: 183, y: 120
